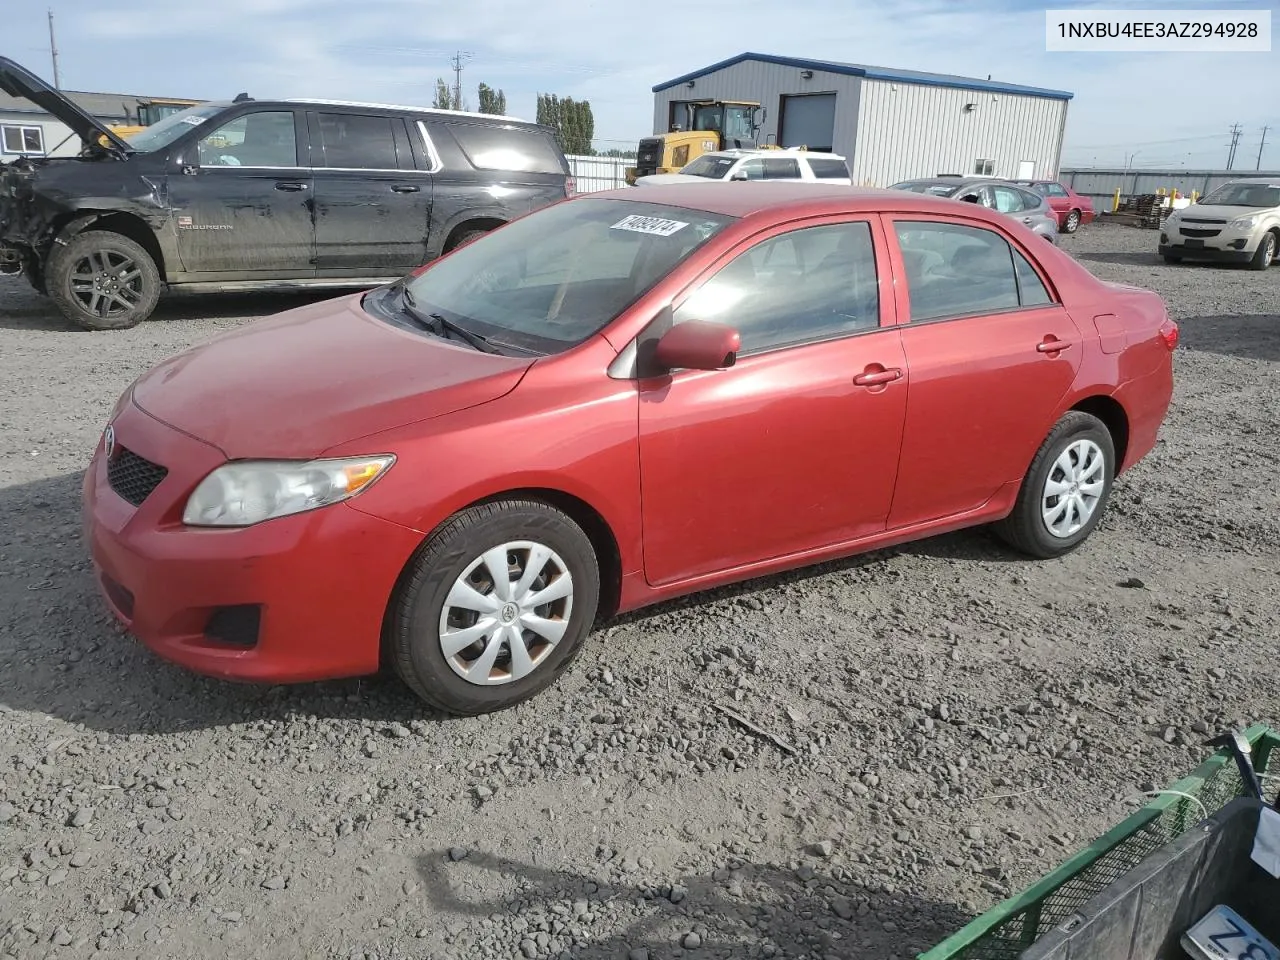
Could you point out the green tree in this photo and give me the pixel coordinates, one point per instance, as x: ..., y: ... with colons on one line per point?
x: 444, y: 96
x: 492, y: 101
x: 570, y: 120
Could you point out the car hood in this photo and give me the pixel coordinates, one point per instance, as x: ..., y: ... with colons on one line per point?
x: 298, y: 383
x: 1215, y: 212
x: 17, y: 81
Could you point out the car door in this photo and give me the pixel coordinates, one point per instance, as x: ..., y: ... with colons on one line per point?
x: 240, y: 199
x: 991, y: 352
x: 795, y: 446
x: 372, y: 203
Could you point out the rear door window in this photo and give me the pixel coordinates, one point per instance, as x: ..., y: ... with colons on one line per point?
x: 781, y: 169
x: 361, y: 142
x: 508, y: 148
x: 828, y: 169
x: 955, y: 270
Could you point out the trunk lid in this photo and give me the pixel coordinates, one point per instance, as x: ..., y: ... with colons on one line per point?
x: 298, y: 383
x: 17, y: 81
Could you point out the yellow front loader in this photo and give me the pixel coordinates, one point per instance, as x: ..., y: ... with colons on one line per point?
x: 148, y: 112
x: 708, y: 126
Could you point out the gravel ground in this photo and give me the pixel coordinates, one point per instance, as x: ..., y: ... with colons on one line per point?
x: 947, y: 722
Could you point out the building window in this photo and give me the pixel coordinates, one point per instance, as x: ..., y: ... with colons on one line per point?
x: 984, y: 168
x: 15, y: 139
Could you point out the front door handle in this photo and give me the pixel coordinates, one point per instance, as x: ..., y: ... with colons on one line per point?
x: 291, y: 186
x: 1052, y: 344
x: 405, y: 188
x: 875, y: 375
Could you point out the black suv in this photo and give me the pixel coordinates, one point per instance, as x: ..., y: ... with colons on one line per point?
x: 255, y: 194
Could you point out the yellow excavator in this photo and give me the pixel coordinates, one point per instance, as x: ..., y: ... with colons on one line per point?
x: 707, y: 126
x: 149, y: 111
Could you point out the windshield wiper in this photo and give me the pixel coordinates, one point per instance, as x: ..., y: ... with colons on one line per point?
x: 436, y: 323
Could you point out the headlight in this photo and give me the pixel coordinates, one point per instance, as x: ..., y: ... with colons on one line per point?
x: 1245, y: 223
x: 246, y: 492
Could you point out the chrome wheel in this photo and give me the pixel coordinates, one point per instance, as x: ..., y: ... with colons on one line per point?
x: 1073, y: 488
x: 506, y: 613
x: 1073, y: 221
x: 107, y: 283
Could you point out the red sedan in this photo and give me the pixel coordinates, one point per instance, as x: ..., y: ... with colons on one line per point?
x: 1073, y: 209
x: 615, y: 400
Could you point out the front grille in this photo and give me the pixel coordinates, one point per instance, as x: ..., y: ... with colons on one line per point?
x: 648, y: 153
x: 1203, y: 220
x: 133, y: 477
x: 1200, y: 233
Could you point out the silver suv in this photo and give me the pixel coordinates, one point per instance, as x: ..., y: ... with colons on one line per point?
x: 1020, y: 203
x: 1237, y: 223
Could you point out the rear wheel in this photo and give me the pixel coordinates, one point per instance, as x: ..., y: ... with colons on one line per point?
x: 1266, y: 252
x: 1065, y: 492
x: 495, y: 607
x: 103, y: 280
x: 465, y: 237
x: 1073, y: 222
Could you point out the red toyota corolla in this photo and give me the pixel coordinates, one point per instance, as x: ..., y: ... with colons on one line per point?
x: 615, y: 400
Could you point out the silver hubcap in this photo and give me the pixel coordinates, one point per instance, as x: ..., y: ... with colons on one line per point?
x: 506, y: 613
x: 1073, y: 489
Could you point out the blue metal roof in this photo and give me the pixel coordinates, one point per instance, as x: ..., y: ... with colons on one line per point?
x: 873, y: 73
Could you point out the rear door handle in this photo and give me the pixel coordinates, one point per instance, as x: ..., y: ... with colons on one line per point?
x: 290, y: 185
x: 873, y: 378
x: 405, y: 188
x: 1052, y: 345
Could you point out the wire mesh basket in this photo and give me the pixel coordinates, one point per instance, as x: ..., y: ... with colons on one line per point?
x: 1006, y: 931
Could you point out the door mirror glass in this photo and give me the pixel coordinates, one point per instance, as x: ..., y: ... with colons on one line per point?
x: 698, y: 345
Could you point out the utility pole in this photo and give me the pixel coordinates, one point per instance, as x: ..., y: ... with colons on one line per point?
x: 458, y: 61
x: 1258, y: 165
x: 53, y: 49
x: 1235, y: 139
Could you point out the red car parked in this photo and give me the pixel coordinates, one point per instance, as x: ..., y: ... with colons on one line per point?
x: 618, y: 399
x: 1072, y: 208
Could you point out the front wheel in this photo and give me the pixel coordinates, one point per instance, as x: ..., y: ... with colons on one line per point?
x: 1065, y: 492
x: 495, y: 607
x: 102, y: 280
x: 1266, y: 252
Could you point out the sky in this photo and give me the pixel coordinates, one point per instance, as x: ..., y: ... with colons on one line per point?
x: 1147, y: 109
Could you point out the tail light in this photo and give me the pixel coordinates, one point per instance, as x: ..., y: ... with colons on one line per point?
x: 570, y: 186
x: 1169, y: 333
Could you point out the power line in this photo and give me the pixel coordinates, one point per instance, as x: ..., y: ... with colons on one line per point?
x: 459, y: 60
x: 1235, y: 139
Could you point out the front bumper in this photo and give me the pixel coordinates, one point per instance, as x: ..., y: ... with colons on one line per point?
x: 298, y: 598
x: 1217, y: 254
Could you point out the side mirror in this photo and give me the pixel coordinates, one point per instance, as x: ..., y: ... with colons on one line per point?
x: 698, y: 345
x: 740, y: 175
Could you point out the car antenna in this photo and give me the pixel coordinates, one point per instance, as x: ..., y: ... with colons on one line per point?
x: 241, y: 98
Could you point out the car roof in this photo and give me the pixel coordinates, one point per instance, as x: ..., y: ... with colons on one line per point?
x: 764, y: 152
x: 360, y: 104
x: 785, y: 198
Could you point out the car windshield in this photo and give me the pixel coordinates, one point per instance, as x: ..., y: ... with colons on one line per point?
x: 557, y: 276
x: 162, y: 133
x: 1261, y: 195
x: 714, y: 168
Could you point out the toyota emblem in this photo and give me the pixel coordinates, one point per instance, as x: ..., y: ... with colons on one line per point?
x: 109, y: 441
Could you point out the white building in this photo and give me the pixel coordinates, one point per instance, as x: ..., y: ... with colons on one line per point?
x: 891, y: 125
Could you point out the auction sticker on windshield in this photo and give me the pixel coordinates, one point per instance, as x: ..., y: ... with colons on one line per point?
x: 652, y: 225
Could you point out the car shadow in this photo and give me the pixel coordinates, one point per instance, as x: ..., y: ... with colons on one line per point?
x: 745, y: 910
x: 1246, y: 336
x: 62, y: 653
x: 30, y: 311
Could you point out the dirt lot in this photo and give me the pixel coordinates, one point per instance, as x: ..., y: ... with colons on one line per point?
x: 953, y: 721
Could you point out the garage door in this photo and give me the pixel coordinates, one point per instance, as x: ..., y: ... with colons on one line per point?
x: 809, y: 120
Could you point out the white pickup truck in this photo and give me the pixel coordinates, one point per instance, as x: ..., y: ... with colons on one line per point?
x: 806, y: 166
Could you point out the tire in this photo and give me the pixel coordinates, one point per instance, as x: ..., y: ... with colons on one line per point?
x: 421, y: 607
x: 465, y: 238
x: 96, y: 255
x: 1025, y: 528
x: 1266, y: 252
x: 1073, y: 222
x: 1172, y: 258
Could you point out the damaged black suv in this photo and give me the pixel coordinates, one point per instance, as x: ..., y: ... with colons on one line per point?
x: 251, y: 194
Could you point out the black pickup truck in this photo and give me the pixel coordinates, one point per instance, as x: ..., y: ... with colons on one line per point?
x: 253, y: 194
